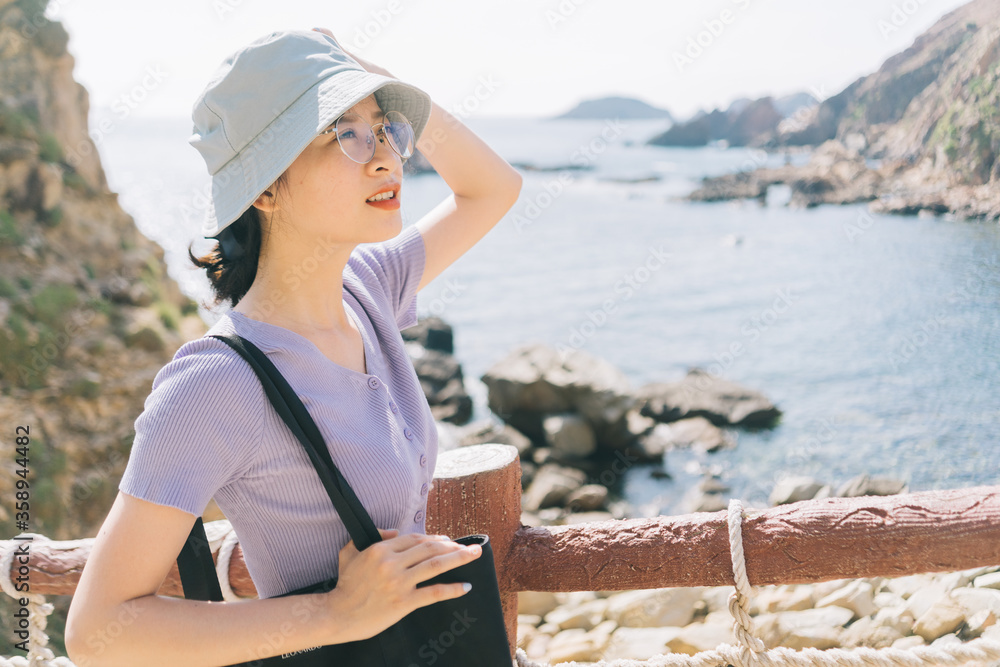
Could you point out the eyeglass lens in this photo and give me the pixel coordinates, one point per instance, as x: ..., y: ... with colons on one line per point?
x: 358, y: 141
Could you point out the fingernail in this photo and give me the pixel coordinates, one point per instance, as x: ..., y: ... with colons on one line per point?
x: 467, y: 587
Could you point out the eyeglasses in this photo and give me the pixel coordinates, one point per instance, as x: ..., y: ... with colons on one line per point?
x: 357, y: 138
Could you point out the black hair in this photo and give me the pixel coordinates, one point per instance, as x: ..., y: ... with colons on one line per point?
x: 232, y: 264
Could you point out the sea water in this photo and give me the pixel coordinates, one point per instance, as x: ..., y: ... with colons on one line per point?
x: 878, y: 337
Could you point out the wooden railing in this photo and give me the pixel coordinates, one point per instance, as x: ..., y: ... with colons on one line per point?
x: 477, y: 489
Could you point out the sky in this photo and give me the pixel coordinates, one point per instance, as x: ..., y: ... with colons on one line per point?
x: 516, y: 58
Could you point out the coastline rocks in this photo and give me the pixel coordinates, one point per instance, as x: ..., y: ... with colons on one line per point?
x: 794, y: 489
x: 875, y: 612
x: 432, y: 333
x: 430, y: 348
x: 696, y: 433
x: 863, y: 485
x: 570, y: 434
x: 700, y: 394
x: 574, y: 411
x: 536, y: 381
x: 551, y: 485
x: 798, y: 488
x: 834, y: 174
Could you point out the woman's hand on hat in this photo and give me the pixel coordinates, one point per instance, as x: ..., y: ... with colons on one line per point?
x: 369, y: 66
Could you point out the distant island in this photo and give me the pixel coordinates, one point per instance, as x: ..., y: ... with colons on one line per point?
x: 615, y: 107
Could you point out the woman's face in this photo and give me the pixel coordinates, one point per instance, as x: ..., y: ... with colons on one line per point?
x: 325, y: 191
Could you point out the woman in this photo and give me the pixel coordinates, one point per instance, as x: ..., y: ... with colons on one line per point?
x: 300, y: 140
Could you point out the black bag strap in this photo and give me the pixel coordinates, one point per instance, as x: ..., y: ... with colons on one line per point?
x: 195, y: 560
x: 197, y: 570
x: 288, y: 405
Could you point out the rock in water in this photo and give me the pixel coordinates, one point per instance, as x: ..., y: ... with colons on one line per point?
x: 700, y: 394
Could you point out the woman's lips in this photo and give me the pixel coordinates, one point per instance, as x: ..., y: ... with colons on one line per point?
x: 391, y: 204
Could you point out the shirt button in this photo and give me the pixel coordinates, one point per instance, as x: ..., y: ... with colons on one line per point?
x: 373, y: 382
x: 423, y: 460
x: 408, y: 433
x: 418, y: 516
x: 423, y: 490
x: 392, y: 406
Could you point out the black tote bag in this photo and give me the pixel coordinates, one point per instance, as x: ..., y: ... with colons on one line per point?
x: 458, y: 632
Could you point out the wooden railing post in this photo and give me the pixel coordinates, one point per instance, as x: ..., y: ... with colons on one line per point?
x: 477, y: 489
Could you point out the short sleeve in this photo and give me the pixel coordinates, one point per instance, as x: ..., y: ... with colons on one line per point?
x: 398, y: 265
x: 199, y: 430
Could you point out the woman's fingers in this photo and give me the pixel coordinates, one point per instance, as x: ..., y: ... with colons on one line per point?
x: 426, y: 550
x: 432, y: 565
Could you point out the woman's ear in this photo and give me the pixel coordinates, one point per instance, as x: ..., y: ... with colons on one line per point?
x: 266, y: 202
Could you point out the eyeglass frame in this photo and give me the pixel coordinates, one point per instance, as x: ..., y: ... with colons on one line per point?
x: 374, y: 134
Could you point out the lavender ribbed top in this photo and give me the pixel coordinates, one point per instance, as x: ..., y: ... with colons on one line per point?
x: 208, y: 430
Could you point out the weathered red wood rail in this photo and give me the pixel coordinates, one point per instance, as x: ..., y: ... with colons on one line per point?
x: 477, y: 489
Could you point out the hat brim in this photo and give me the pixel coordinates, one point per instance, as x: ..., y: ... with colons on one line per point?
x: 241, y: 180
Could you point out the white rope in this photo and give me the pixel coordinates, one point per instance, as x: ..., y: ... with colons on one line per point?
x: 752, y: 652
x: 222, y: 566
x: 39, y: 653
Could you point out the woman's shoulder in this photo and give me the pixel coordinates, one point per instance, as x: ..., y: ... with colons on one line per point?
x: 207, y: 367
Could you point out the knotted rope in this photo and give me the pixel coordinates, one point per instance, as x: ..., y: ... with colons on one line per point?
x: 39, y: 653
x: 751, y: 651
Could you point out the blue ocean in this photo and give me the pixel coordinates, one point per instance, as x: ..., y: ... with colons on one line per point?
x: 877, y: 336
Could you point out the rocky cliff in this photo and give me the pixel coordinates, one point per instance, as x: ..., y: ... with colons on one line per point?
x: 925, y: 127
x: 745, y: 122
x: 89, y: 314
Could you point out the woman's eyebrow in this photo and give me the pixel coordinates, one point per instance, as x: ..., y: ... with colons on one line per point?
x: 376, y: 115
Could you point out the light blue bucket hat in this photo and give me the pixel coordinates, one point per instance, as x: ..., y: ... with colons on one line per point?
x: 269, y: 100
